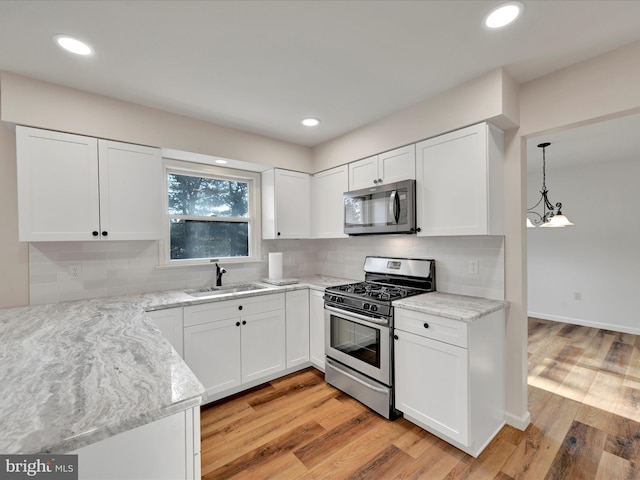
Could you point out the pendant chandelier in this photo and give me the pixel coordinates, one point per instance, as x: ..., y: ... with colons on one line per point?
x: 551, y: 216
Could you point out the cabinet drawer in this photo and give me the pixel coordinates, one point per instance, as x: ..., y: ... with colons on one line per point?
x: 438, y: 328
x: 215, y: 311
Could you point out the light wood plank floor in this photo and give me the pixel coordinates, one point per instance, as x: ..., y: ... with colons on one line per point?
x: 584, y: 399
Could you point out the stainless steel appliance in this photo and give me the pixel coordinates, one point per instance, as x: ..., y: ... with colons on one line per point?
x: 359, y: 328
x: 389, y: 208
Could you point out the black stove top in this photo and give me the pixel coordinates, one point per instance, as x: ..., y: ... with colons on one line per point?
x: 386, y: 280
x: 375, y: 290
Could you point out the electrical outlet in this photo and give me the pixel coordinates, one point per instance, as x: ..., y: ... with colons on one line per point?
x: 75, y: 270
x: 473, y: 267
x: 577, y: 296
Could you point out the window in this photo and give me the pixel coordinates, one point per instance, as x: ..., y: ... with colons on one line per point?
x: 210, y: 214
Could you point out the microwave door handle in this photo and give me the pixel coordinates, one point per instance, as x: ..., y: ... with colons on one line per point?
x: 393, y: 206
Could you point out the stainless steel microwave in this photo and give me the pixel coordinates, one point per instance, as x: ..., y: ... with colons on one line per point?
x: 389, y: 208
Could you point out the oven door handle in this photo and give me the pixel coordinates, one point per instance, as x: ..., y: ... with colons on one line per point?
x: 364, y: 318
x: 356, y: 379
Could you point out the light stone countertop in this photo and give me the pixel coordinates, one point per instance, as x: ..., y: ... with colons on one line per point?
x: 75, y: 373
x: 448, y: 305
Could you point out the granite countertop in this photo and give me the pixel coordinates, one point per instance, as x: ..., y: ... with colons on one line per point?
x: 177, y: 298
x: 75, y: 373
x: 448, y: 305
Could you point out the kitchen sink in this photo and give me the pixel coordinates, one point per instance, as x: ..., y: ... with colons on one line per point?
x: 213, y: 291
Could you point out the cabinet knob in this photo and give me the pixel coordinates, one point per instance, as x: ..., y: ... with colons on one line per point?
x: 239, y: 307
x: 244, y: 322
x: 278, y: 233
x: 395, y: 337
x: 425, y: 325
x: 95, y: 233
x: 237, y: 324
x: 375, y: 181
x: 379, y: 180
x: 105, y: 233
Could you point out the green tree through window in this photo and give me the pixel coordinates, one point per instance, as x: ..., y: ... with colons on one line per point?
x: 209, y: 217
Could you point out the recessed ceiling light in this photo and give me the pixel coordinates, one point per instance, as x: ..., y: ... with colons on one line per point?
x: 310, y: 122
x: 503, y: 15
x: 73, y: 45
x: 221, y: 161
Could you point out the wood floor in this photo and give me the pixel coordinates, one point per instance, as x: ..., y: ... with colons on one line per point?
x: 584, y: 399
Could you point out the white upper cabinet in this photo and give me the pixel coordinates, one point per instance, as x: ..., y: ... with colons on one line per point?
x: 286, y: 204
x: 389, y: 167
x: 460, y: 183
x: 327, y: 203
x: 130, y: 191
x: 72, y: 187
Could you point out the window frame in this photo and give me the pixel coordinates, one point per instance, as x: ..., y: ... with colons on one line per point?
x: 253, y: 219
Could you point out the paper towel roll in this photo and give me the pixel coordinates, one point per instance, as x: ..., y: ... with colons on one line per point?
x: 275, y: 265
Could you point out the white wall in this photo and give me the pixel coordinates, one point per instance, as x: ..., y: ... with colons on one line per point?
x: 345, y: 258
x: 598, y: 257
x: 122, y: 268
x: 14, y: 273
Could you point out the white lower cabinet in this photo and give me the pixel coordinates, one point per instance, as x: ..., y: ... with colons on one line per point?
x: 233, y: 343
x: 168, y: 448
x: 263, y: 345
x: 212, y: 351
x: 297, y: 311
x: 449, y: 376
x: 316, y: 328
x: 169, y: 322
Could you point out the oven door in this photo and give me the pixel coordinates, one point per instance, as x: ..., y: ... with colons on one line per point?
x: 358, y: 342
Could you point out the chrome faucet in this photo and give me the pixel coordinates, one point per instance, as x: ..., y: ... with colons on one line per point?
x: 219, y: 272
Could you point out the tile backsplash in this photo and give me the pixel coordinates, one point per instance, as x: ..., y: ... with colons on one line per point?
x: 61, y: 271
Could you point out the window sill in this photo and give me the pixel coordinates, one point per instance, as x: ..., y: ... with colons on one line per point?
x: 208, y: 263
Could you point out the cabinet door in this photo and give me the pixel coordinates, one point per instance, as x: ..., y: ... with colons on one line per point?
x: 130, y: 191
x: 327, y: 202
x: 452, y: 187
x: 137, y: 451
x: 169, y: 322
x: 263, y: 345
x: 286, y: 204
x: 297, y: 313
x: 293, y: 204
x: 316, y: 328
x: 364, y: 173
x: 57, y: 185
x: 432, y: 384
x: 398, y: 165
x: 212, y: 351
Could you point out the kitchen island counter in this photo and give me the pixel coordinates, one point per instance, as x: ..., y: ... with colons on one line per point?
x: 75, y: 373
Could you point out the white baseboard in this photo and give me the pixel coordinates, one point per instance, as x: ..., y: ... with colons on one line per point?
x: 585, y: 323
x: 519, y: 422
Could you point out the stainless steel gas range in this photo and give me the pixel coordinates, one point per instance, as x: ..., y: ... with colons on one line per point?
x: 359, y: 328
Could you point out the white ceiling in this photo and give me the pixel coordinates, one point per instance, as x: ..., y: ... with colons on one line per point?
x: 262, y: 66
x: 607, y: 141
